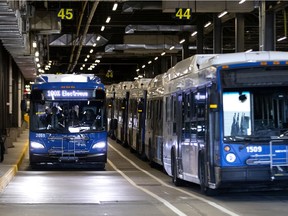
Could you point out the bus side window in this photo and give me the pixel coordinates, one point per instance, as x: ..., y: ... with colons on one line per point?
x: 201, y: 113
x: 193, y: 119
x: 173, y: 108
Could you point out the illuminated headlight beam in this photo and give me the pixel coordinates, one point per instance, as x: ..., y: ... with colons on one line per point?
x: 37, y: 145
x: 99, y: 145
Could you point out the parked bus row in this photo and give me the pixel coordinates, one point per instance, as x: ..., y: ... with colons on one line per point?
x: 218, y: 120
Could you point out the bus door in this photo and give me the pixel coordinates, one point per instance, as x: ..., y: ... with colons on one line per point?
x: 200, y: 118
x: 188, y: 144
x: 141, y: 109
x: 177, y: 127
x: 124, y: 132
x: 213, y: 131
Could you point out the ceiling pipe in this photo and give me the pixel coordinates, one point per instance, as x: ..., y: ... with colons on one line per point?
x: 94, y: 7
x: 77, y: 34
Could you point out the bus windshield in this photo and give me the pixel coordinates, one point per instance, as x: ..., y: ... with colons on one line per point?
x: 254, y: 110
x: 66, y: 116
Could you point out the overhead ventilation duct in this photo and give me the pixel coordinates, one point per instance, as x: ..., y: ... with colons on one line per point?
x: 14, y: 39
x: 45, y: 22
x: 130, y: 7
x: 144, y: 48
x: 69, y: 40
x: 147, y: 47
x: 130, y: 29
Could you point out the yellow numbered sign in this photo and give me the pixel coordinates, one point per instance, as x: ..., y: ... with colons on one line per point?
x: 109, y: 74
x: 183, y: 13
x: 66, y: 13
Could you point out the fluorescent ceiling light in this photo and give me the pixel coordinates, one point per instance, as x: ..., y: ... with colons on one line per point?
x: 194, y: 33
x: 207, y: 24
x: 108, y: 19
x: 115, y: 7
x: 182, y: 41
x: 222, y: 14
x: 102, y: 28
x: 281, y: 39
x: 242, y: 1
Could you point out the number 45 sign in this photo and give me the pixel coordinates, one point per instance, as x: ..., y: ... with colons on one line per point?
x: 184, y: 13
x: 65, y: 13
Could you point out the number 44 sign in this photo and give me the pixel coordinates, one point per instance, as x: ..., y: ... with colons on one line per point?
x: 184, y: 13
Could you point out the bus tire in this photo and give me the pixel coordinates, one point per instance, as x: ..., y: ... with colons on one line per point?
x: 176, y: 181
x: 202, y: 178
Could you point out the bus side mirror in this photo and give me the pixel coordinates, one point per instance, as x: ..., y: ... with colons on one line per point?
x: 140, y: 107
x: 100, y: 94
x: 37, y: 96
x: 113, y: 124
x: 214, y: 99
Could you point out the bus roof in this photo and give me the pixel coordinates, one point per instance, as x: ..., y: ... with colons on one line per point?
x: 81, y: 78
x: 200, y: 61
x: 156, y: 87
x: 244, y: 57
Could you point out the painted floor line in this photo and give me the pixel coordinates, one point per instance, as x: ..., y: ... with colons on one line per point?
x: 165, y: 202
x: 215, y: 205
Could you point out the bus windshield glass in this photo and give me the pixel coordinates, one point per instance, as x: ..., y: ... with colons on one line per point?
x: 254, y: 110
x: 66, y: 116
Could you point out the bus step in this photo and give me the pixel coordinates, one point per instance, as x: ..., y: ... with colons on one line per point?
x: 279, y: 171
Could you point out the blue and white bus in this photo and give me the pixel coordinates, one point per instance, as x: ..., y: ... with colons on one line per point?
x: 121, y: 111
x: 137, y: 116
x: 226, y: 121
x: 154, y: 121
x: 68, y: 120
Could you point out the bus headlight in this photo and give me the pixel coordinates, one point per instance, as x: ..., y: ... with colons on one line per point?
x: 230, y: 157
x: 99, y: 145
x: 37, y: 145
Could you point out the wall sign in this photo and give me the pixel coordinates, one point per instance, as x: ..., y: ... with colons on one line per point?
x: 66, y: 13
x: 183, y: 13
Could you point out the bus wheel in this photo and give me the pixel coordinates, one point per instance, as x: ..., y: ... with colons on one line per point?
x: 202, y: 178
x: 175, y: 179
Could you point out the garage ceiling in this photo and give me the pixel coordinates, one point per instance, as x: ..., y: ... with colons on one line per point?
x: 72, y: 41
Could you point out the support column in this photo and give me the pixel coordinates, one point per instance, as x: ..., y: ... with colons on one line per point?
x: 239, y: 33
x: 164, y: 64
x: 200, y: 34
x: 217, y: 34
x: 185, y: 46
x: 270, y: 40
x: 173, y: 60
x: 262, y: 18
